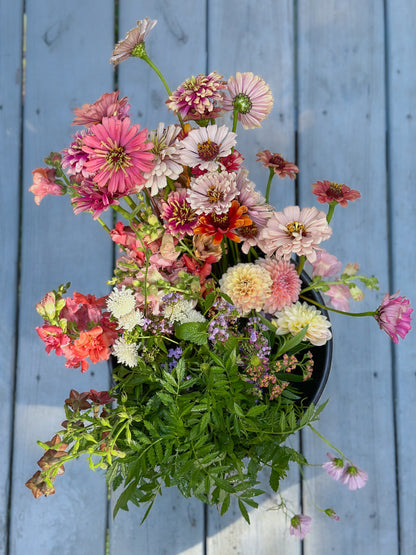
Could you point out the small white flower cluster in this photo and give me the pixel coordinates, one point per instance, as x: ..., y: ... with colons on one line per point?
x: 126, y: 353
x: 182, y: 311
x: 122, y: 305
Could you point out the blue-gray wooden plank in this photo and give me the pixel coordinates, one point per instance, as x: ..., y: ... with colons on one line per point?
x: 401, y: 62
x: 342, y: 127
x: 11, y: 24
x: 64, y: 69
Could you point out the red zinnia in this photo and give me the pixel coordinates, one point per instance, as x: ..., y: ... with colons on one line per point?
x: 277, y: 163
x: 218, y: 225
x: 328, y: 191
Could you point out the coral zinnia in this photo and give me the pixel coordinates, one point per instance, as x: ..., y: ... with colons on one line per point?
x: 108, y: 105
x: 327, y: 191
x: 292, y: 319
x: 118, y: 154
x: 133, y: 42
x: 251, y: 96
x: 218, y: 225
x: 248, y: 285
x: 286, y: 284
x: 277, y: 163
x: 393, y: 316
x: 295, y: 230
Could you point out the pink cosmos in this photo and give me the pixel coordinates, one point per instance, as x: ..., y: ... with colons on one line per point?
x: 44, y: 184
x: 354, y: 477
x: 278, y: 164
x: 130, y: 45
x: 393, y: 316
x: 108, y: 105
x: 300, y: 525
x: 326, y: 265
x: 93, y: 199
x: 118, y: 155
x: 286, y: 284
x: 251, y: 96
x: 339, y: 295
x: 327, y: 191
x: 199, y: 97
x: 295, y: 231
x: 205, y: 146
x: 212, y: 192
x: 335, y: 466
x: 179, y: 217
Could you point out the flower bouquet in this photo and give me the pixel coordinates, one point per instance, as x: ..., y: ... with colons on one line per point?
x: 213, y: 329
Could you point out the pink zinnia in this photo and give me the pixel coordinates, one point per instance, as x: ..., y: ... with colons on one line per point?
x: 277, y: 163
x: 133, y: 42
x: 295, y: 231
x: 199, y: 97
x: 212, y: 192
x: 108, y: 105
x: 44, y: 184
x: 300, y: 525
x: 205, y: 146
x: 119, y: 154
x: 354, y: 477
x: 178, y: 215
x: 335, y: 466
x: 328, y: 191
x: 93, y: 199
x: 74, y: 158
x: 393, y: 316
x: 286, y: 284
x: 251, y: 96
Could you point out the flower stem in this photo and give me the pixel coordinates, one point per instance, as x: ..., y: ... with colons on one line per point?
x: 331, y: 208
x: 327, y: 442
x: 104, y: 225
x: 359, y: 314
x: 301, y: 264
x: 271, y: 175
x: 235, y: 119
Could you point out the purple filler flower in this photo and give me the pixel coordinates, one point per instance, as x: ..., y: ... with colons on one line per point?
x: 300, y: 525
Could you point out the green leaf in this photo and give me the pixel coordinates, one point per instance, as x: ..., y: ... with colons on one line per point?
x: 225, y: 505
x: 243, y: 510
x: 292, y: 342
x: 274, y: 480
x: 238, y: 410
x: 195, y: 332
x: 255, y: 411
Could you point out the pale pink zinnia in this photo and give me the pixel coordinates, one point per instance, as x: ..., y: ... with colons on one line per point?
x: 108, y: 105
x: 393, y: 316
x: 133, y: 42
x: 205, y: 146
x: 300, y: 525
x: 118, y: 155
x: 177, y: 214
x: 328, y: 191
x: 354, y: 477
x: 277, y: 163
x: 251, y: 96
x: 198, y: 97
x: 212, y: 192
x: 44, y: 184
x: 286, y: 283
x: 295, y: 231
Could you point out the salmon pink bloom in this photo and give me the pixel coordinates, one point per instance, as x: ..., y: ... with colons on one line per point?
x: 339, y: 295
x: 277, y: 163
x: 393, y: 316
x: 93, y: 344
x: 218, y: 225
x: 326, y: 265
x: 54, y: 338
x: 118, y: 155
x: 133, y: 42
x: 107, y: 106
x: 44, y: 184
x: 328, y: 191
x: 286, y: 284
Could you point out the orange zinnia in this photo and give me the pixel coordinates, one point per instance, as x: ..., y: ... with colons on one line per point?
x: 218, y: 225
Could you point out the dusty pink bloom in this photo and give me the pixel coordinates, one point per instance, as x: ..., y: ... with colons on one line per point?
x: 354, y: 477
x: 300, y: 525
x: 118, y: 155
x: 107, y: 106
x: 177, y: 214
x: 205, y: 146
x: 199, y: 97
x: 334, y: 467
x: 326, y: 265
x: 277, y: 163
x: 232, y: 162
x: 212, y: 192
x: 133, y: 42
x: 44, y: 184
x: 393, y: 316
x: 295, y: 231
x: 286, y: 284
x: 251, y: 96
x: 93, y: 199
x: 54, y: 338
x: 74, y: 157
x: 339, y: 295
x: 351, y: 269
x: 328, y: 191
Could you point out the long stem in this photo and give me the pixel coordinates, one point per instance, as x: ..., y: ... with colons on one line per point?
x: 331, y: 209
x: 301, y: 264
x: 104, y: 225
x: 359, y: 314
x: 235, y: 119
x: 327, y: 442
x: 271, y: 175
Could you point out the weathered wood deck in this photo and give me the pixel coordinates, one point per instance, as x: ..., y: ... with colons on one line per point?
x: 343, y: 75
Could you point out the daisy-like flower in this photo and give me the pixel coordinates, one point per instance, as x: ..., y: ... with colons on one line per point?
x: 277, y: 163
x: 212, y: 192
x: 393, y: 316
x: 92, y: 199
x: 295, y: 231
x: 74, y: 157
x: 334, y: 467
x: 129, y: 321
x: 44, y: 184
x: 354, y: 477
x: 300, y: 525
x: 204, y: 147
x: 199, y: 97
x: 248, y: 285
x: 218, y: 225
x: 166, y: 161
x: 118, y: 155
x: 328, y: 191
x: 292, y: 319
x: 133, y: 42
x: 177, y: 214
x: 107, y: 106
x: 251, y: 96
x: 286, y: 283
x: 125, y: 353
x: 121, y: 302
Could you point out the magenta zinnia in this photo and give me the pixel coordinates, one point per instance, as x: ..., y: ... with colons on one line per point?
x: 328, y: 191
x: 277, y: 163
x: 118, y: 155
x: 178, y: 215
x: 251, y: 96
x: 393, y: 316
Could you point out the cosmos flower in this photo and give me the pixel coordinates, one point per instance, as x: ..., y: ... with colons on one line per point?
x: 204, y: 147
x: 334, y: 467
x: 277, y: 163
x: 393, y: 316
x: 328, y: 191
x: 354, y: 477
x: 251, y: 96
x: 107, y: 106
x: 292, y: 319
x: 133, y: 42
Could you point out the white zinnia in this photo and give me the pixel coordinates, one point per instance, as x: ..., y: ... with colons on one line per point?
x: 292, y: 319
x: 182, y: 311
x: 125, y: 353
x: 121, y: 301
